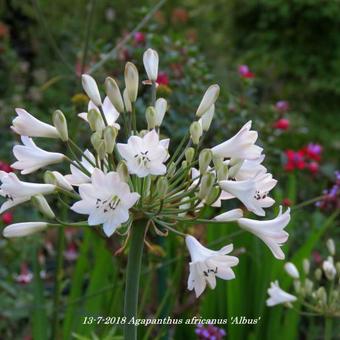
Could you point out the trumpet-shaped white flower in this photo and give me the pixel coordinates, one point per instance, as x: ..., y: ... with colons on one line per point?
x: 231, y: 215
x: 31, y: 158
x: 107, y: 200
x: 253, y: 193
x: 278, y: 296
x: 161, y: 107
x: 271, y: 232
x: 77, y: 176
x: 209, y: 99
x: 208, y: 264
x: 61, y: 181
x: 240, y: 146
x: 91, y: 89
x: 24, y: 229
x: 151, y: 60
x: 251, y: 168
x: 291, y: 270
x: 145, y: 155
x: 17, y: 192
x: 27, y: 125
x: 110, y: 112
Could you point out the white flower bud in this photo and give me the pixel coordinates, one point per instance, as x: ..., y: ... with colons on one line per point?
x: 232, y: 172
x: 23, y: 229
x: 291, y: 270
x: 207, y: 118
x: 309, y: 286
x: 123, y: 171
x: 189, y: 154
x: 110, y: 134
x: 91, y: 89
x: 231, y: 215
x: 297, y: 286
x: 196, y: 132
x: 329, y: 269
x: 57, y: 179
x: 214, y: 194
x: 101, y: 150
x: 59, y: 122
x: 41, y: 204
x: 96, y: 140
x: 127, y: 102
x: 150, y: 116
x: 95, y: 120
x: 161, y: 107
x: 321, y: 295
x: 209, y: 98
x: 204, y: 160
x: 151, y: 60
x: 171, y: 169
x: 113, y: 92
x: 162, y: 186
x: 318, y: 274
x: 331, y: 246
x: 306, y: 266
x: 207, y: 183
x: 131, y: 81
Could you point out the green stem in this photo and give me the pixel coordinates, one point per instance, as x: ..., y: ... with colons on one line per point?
x: 328, y: 328
x: 137, y: 233
x: 57, y: 284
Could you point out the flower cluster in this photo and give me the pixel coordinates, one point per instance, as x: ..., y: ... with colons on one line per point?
x: 127, y: 174
x: 331, y: 199
x: 318, y: 291
x: 307, y: 157
x: 209, y: 332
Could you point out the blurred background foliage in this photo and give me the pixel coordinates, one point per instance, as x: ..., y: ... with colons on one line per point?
x: 292, y: 49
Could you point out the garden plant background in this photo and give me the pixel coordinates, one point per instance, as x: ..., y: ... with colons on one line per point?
x: 277, y: 64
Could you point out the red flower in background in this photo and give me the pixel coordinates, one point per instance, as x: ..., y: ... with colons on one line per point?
x: 139, y: 37
x: 313, y: 151
x: 5, y: 167
x: 313, y: 167
x: 245, y: 72
x: 295, y: 160
x: 282, y: 124
x: 286, y: 202
x: 163, y: 78
x: 7, y: 217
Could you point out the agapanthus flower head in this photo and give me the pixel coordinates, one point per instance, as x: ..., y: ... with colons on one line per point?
x: 127, y: 172
x: 245, y: 72
x: 209, y: 332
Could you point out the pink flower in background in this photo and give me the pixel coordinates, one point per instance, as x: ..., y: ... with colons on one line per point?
x: 295, y: 160
x: 245, y: 72
x: 163, y: 78
x: 25, y: 275
x: 209, y: 332
x: 313, y: 167
x: 282, y: 106
x: 282, y: 124
x: 286, y: 202
x: 4, y: 166
x: 7, y: 217
x: 139, y: 37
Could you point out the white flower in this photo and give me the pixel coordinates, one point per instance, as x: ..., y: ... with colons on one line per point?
x: 31, y: 158
x: 291, y: 270
x: 270, y: 232
x: 107, y: 200
x: 27, y: 125
x: 161, y: 107
x: 209, y: 98
x: 240, y: 146
x: 151, y: 60
x: 208, y: 264
x: 91, y: 89
x: 17, y: 192
x: 253, y: 193
x: 278, y: 296
x: 78, y: 177
x: 329, y: 268
x: 61, y: 181
x: 207, y: 118
x: 145, y: 155
x: 231, y: 215
x: 251, y: 168
x: 110, y: 112
x: 24, y: 229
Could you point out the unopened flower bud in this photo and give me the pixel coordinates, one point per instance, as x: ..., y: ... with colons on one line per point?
x: 171, y: 169
x: 291, y: 270
x: 123, y: 171
x: 91, y: 89
x: 113, y: 92
x: 337, y: 267
x: 306, y: 266
x: 101, y: 150
x: 318, y: 274
x: 297, y: 286
x: 329, y: 269
x: 131, y: 81
x: 95, y: 120
x: 96, y: 140
x: 189, y: 154
x: 321, y: 295
x: 151, y: 60
x: 110, y: 134
x: 59, y: 122
x: 207, y: 183
x: 196, y: 132
x: 24, y: 229
x: 161, y: 107
x: 162, y: 187
x: 309, y: 286
x: 213, y: 195
x: 184, y: 164
x: 208, y: 99
x: 232, y: 172
x: 127, y: 102
x: 204, y: 160
x: 40, y: 203
x: 331, y: 246
x: 207, y: 118
x: 150, y: 115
